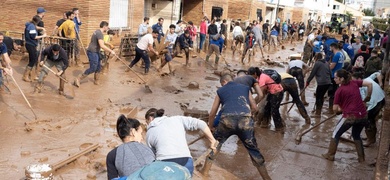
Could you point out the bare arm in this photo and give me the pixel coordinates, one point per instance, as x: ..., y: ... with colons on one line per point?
x: 151, y: 49
x: 337, y: 109
x: 252, y: 103
x: 101, y: 44
x: 259, y: 92
x: 369, y: 90
x: 332, y: 65
x: 213, y: 111
x: 210, y: 137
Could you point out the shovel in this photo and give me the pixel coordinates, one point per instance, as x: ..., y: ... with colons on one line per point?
x: 147, y: 88
x: 66, y: 81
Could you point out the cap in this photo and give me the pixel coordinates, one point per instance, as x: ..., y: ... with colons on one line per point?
x: 41, y: 10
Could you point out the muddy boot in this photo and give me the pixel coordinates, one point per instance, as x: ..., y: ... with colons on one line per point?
x: 303, y: 98
x: 317, y: 112
x: 207, y: 166
x: 96, y: 78
x: 77, y: 80
x: 26, y: 75
x: 207, y: 58
x: 146, y: 71
x: 330, y: 110
x: 360, y: 150
x: 263, y: 172
x: 187, y: 62
x: 371, y: 137
x: 307, y: 120
x: 331, y: 151
x: 38, y: 87
x: 36, y: 69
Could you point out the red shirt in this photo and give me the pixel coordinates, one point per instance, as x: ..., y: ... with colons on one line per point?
x: 348, y: 98
x: 203, y: 27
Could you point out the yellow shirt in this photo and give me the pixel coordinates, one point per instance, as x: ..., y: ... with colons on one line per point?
x: 285, y: 75
x: 68, y: 27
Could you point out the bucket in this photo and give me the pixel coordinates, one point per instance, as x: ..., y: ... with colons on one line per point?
x: 39, y: 172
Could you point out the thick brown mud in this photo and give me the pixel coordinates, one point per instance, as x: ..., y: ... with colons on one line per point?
x: 65, y: 126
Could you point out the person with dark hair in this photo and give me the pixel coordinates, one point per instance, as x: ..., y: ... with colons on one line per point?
x: 361, y: 58
x: 249, y: 43
x: 335, y: 65
x: 349, y: 102
x: 40, y: 26
x: 202, y: 33
x: 58, y: 24
x: 321, y: 71
x: 297, y: 67
x: 144, y: 45
x: 170, y: 40
x: 308, y: 48
x: 238, y: 36
x: 373, y: 64
x: 55, y: 56
x: 67, y: 30
x: 143, y: 28
x: 4, y: 59
x: 158, y: 27
x: 31, y: 38
x: 130, y: 156
x: 186, y: 44
x: 290, y: 86
x: 77, y: 23
x: 274, y: 98
x: 327, y: 49
x: 212, y: 30
x: 353, y: 39
x: 166, y: 136
x: 224, y: 30
x: 93, y: 50
x: 107, y: 38
x: 237, y: 105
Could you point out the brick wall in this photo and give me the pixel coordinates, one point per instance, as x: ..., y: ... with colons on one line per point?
x: 239, y: 9
x: 192, y: 11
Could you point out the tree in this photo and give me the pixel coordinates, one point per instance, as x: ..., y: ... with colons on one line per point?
x: 368, y: 12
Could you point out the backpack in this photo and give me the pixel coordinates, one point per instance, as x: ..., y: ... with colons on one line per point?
x: 359, y: 61
x: 161, y: 170
x: 274, y: 75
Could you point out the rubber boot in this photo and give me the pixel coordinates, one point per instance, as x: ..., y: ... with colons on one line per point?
x: 187, y: 62
x: 36, y: 69
x: 331, y: 151
x: 263, y: 172
x: 207, y: 58
x: 77, y: 80
x: 371, y: 137
x: 303, y: 98
x: 207, y: 166
x: 307, y: 119
x: 216, y: 60
x: 360, y: 150
x: 26, y: 75
x: 317, y: 112
x: 38, y: 87
x: 96, y: 78
x: 61, y: 88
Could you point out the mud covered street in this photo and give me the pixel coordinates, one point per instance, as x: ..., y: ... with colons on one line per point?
x: 66, y: 126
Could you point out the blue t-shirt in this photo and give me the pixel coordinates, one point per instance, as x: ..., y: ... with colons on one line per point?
x: 285, y: 27
x: 274, y: 32
x: 317, y: 46
x: 349, y: 49
x: 77, y: 26
x: 338, y: 58
x: 157, y: 27
x: 3, y: 48
x: 234, y: 98
x: 327, y: 50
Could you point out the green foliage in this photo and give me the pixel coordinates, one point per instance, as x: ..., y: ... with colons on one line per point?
x: 380, y: 23
x: 368, y: 12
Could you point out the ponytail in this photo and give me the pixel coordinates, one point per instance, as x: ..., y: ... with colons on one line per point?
x: 124, y: 126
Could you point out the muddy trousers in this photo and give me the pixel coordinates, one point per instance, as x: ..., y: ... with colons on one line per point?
x: 290, y: 85
x: 357, y: 125
x: 59, y: 65
x: 371, y: 125
x: 94, y: 63
x: 272, y: 108
x: 298, y: 74
x: 243, y: 127
x: 32, y: 55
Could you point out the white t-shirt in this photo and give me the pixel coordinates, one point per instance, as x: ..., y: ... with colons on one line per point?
x: 295, y: 63
x: 377, y: 94
x: 237, y: 31
x: 145, y: 41
x: 311, y: 37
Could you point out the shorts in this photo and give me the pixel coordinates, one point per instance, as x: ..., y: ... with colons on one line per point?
x: 239, y: 39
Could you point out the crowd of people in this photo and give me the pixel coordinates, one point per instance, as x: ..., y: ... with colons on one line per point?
x: 348, y: 69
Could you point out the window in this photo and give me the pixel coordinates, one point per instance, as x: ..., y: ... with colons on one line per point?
x: 336, y: 7
x: 119, y: 12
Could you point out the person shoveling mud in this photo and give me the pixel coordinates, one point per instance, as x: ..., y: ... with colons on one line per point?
x: 235, y: 119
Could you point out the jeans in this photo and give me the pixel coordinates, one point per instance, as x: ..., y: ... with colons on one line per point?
x: 1, y: 78
x: 297, y: 73
x: 243, y: 127
x: 190, y: 165
x: 32, y: 55
x: 168, y: 56
x: 272, y: 108
x: 290, y: 86
x: 139, y: 53
x: 344, y: 124
x: 202, y: 39
x: 94, y: 63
